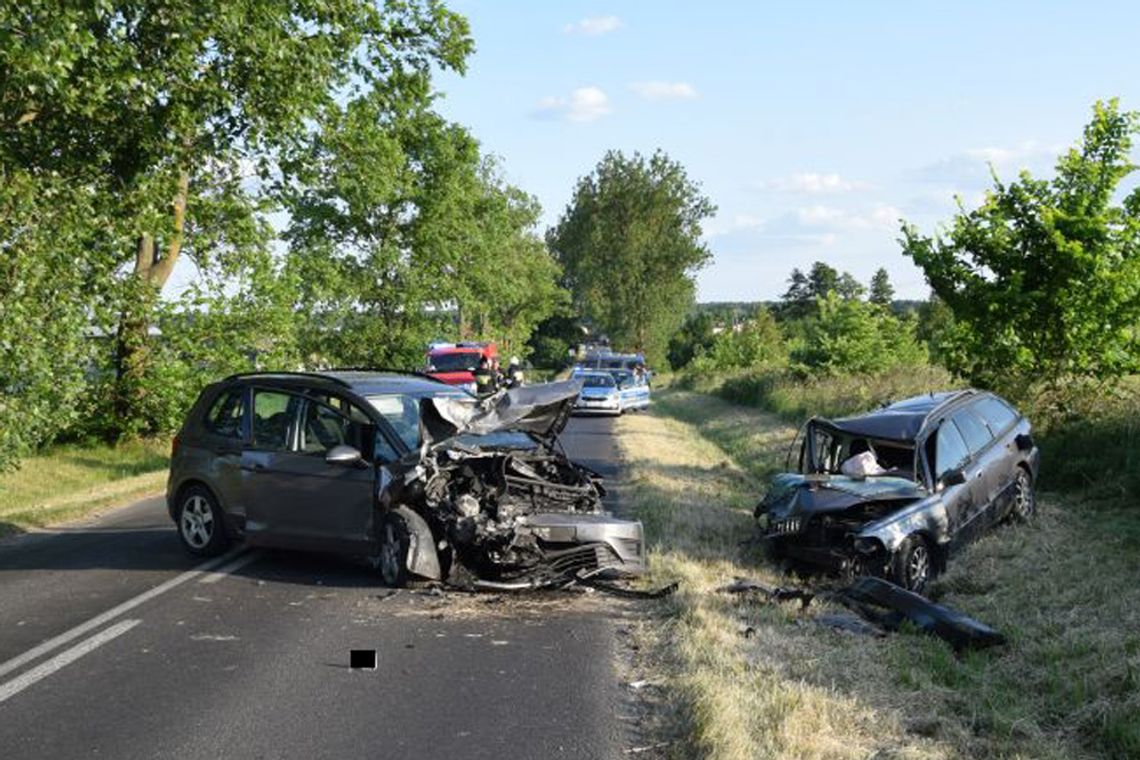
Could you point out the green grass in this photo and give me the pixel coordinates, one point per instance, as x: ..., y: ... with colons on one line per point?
x: 69, y: 481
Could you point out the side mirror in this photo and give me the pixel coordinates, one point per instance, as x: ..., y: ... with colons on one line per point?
x: 343, y: 455
x: 955, y: 477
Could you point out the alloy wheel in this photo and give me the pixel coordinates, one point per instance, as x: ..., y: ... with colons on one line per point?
x: 197, y: 521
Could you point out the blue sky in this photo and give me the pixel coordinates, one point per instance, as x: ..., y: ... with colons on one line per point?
x: 814, y: 126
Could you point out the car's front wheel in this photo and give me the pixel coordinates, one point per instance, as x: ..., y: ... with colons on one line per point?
x: 392, y: 558
x: 201, y: 524
x: 1024, y: 500
x: 913, y: 564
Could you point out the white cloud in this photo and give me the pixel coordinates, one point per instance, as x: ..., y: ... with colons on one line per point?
x: 830, y: 218
x: 814, y: 184
x: 664, y: 90
x: 583, y: 104
x: 971, y: 167
x: 593, y: 26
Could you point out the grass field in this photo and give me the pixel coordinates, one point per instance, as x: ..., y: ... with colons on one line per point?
x: 756, y: 679
x: 71, y: 481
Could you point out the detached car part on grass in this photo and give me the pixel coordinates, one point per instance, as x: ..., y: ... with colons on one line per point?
x: 507, y: 518
x: 893, y: 492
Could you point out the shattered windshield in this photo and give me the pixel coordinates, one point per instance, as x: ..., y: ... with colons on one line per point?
x: 456, y: 361
x: 402, y: 411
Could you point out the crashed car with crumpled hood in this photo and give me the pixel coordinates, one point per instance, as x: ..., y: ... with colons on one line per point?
x: 894, y: 491
x: 466, y: 509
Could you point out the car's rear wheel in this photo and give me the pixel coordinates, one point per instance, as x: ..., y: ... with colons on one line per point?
x: 1024, y: 500
x: 201, y: 524
x: 392, y: 559
x: 913, y: 564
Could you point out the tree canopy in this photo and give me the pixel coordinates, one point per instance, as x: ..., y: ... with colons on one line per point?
x: 1043, y: 278
x: 630, y: 244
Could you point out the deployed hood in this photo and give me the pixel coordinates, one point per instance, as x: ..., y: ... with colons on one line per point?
x: 792, y: 493
x: 541, y: 409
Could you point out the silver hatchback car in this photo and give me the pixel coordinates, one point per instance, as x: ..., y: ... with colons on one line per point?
x: 420, y: 476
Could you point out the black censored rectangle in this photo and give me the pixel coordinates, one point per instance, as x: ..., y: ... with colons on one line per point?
x: 362, y: 659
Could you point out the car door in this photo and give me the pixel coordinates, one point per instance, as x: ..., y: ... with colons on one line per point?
x: 1002, y: 422
x: 221, y: 437
x: 950, y: 453
x: 295, y: 498
x: 985, y: 463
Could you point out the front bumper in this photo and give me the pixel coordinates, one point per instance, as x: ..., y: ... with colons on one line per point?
x: 590, y: 543
x: 600, y: 405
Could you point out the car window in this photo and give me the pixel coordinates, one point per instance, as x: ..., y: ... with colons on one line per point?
x: 975, y: 432
x: 402, y: 411
x: 950, y: 449
x: 273, y: 413
x: 224, y: 417
x: 996, y: 414
x: 340, y: 423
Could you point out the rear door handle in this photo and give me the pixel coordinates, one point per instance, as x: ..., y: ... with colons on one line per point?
x: 255, y: 467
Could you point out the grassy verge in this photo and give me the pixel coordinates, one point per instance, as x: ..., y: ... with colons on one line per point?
x: 71, y: 481
x: 1066, y: 590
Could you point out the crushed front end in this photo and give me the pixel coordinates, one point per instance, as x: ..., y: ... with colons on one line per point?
x: 831, y: 521
x: 520, y: 515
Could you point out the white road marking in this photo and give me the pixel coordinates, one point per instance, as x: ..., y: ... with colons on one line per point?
x: 109, y: 615
x: 45, y: 669
x: 233, y: 567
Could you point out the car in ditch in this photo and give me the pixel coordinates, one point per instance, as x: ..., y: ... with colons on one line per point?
x: 895, y: 491
x: 420, y: 477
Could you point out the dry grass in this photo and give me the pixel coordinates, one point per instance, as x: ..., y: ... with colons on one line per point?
x: 1065, y: 590
x: 72, y: 481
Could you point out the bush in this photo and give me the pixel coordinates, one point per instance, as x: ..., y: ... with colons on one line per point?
x: 850, y: 336
x: 757, y: 343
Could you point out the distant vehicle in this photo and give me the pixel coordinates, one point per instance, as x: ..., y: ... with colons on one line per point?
x: 634, y: 390
x: 599, y: 395
x: 335, y: 461
x: 455, y: 363
x: 893, y: 492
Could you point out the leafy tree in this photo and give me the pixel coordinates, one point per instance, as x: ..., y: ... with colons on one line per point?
x: 162, y: 112
x: 850, y: 336
x: 629, y: 243
x: 849, y: 288
x: 396, y: 223
x: 797, y: 301
x: 1043, y: 278
x: 550, y: 343
x: 694, y: 337
x: 822, y: 280
x: 882, y: 292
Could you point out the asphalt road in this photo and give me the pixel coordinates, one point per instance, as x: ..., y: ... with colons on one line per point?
x: 114, y: 643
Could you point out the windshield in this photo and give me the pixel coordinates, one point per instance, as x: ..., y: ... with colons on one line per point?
x: 456, y: 361
x: 622, y: 376
x: 402, y: 411
x: 597, y: 381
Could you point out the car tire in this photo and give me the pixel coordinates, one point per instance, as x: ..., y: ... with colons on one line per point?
x: 912, y: 565
x: 393, y: 542
x: 201, y: 523
x: 1024, y: 505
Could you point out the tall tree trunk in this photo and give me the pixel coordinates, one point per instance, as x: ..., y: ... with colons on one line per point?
x: 132, y: 342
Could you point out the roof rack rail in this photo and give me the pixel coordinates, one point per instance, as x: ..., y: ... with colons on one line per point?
x: 286, y: 373
x: 390, y: 370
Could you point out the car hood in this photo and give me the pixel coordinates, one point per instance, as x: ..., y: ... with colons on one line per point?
x: 540, y: 409
x: 599, y: 391
x: 457, y: 377
x: 792, y: 493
